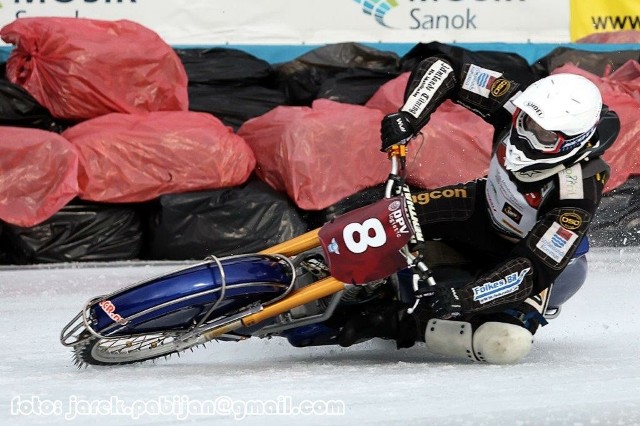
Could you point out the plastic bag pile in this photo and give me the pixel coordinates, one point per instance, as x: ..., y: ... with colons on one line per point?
x: 149, y: 152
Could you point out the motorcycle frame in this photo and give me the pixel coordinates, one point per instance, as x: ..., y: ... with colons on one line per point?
x: 327, y: 286
x: 203, y: 332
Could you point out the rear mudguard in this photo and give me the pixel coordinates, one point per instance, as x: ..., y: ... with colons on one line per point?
x: 180, y: 299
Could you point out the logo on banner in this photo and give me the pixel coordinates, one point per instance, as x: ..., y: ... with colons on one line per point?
x: 602, y: 16
x: 378, y: 9
x: 464, y: 16
x: 72, y: 8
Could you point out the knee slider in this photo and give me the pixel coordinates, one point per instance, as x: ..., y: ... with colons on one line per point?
x: 501, y: 343
x: 492, y: 342
x: 451, y: 338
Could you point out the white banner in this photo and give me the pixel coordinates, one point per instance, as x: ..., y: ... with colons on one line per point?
x: 218, y: 22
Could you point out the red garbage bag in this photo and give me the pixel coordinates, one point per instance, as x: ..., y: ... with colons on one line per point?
x: 318, y: 155
x: 390, y: 96
x: 138, y: 157
x: 617, y: 37
x: 83, y: 68
x: 38, y: 175
x: 455, y: 145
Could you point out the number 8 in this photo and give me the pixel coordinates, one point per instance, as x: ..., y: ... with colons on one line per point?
x: 378, y: 239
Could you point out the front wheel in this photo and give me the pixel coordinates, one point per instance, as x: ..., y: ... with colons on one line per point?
x: 127, y: 350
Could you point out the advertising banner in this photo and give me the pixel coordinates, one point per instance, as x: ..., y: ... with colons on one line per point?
x: 599, y: 16
x: 219, y: 22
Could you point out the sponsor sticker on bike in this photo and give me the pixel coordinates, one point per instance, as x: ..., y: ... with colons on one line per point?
x: 364, y: 244
x: 110, y: 309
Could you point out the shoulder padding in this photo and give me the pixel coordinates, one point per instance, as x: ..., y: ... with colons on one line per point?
x: 593, y: 167
x: 606, y: 132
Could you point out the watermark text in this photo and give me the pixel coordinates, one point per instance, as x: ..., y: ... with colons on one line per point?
x: 180, y: 407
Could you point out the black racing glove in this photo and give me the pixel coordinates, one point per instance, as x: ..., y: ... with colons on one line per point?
x: 445, y: 302
x: 396, y: 129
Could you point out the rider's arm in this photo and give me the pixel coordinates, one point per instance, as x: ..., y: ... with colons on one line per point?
x: 431, y: 82
x: 435, y: 79
x: 552, y: 242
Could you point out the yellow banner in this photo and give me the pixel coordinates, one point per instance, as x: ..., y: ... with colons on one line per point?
x: 599, y: 16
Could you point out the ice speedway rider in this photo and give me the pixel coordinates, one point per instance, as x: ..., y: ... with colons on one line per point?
x: 521, y: 224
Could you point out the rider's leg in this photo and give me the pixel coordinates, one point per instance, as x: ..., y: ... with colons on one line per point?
x: 567, y: 284
x: 385, y: 320
x: 498, y: 338
x: 494, y: 342
x: 502, y: 338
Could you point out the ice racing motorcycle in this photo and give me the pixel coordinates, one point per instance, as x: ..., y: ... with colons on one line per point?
x: 297, y: 289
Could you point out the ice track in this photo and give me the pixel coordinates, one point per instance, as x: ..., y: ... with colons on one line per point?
x: 584, y: 368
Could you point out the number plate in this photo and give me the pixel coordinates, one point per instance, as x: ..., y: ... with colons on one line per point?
x: 364, y: 244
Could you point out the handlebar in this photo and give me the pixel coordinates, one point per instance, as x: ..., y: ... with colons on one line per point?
x: 397, y: 154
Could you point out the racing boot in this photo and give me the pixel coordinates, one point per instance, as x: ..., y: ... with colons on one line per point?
x: 386, y: 321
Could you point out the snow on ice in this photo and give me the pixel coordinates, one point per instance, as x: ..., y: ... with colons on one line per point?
x: 584, y: 368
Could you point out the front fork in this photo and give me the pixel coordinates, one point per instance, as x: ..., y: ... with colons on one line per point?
x: 299, y: 244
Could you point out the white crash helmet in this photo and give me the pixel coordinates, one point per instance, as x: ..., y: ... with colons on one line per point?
x: 555, y: 118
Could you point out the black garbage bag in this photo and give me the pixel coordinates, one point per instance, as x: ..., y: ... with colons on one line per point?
x: 19, y: 109
x: 230, y: 84
x: 79, y: 232
x: 220, y: 65
x: 304, y: 76
x: 511, y: 64
x: 354, y: 85
x: 598, y: 63
x: 617, y: 221
x: 237, y: 220
x: 317, y: 218
x: 4, y: 248
x: 234, y: 104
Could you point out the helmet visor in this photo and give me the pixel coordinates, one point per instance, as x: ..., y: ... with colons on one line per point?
x: 540, y: 139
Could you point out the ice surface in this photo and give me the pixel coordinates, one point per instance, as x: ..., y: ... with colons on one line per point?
x: 584, y: 368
